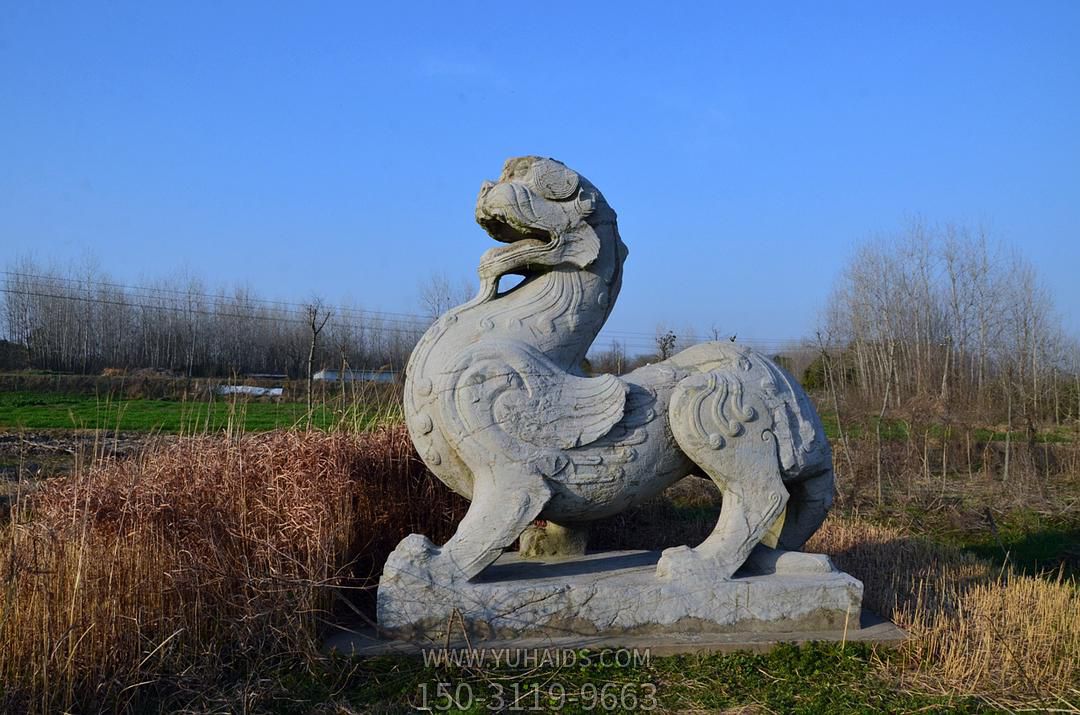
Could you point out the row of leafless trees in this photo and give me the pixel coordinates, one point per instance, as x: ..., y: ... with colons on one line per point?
x: 78, y: 320
x: 940, y: 317
x: 946, y: 317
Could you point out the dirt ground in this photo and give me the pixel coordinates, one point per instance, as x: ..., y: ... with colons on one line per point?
x: 28, y: 458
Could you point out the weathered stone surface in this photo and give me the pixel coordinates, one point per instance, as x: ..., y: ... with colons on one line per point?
x: 613, y: 593
x: 869, y: 628
x: 498, y: 409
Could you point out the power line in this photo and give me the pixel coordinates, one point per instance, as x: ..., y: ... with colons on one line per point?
x: 208, y: 296
x: 410, y: 325
x: 189, y: 311
x: 407, y: 321
x: 642, y: 346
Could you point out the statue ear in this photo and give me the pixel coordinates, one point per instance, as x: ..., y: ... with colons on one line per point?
x: 553, y: 180
x: 586, y: 202
x: 581, y: 247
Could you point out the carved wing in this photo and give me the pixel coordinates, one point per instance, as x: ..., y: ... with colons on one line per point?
x: 509, y: 401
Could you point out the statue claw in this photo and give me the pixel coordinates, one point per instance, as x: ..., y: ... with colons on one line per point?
x: 417, y: 547
x: 683, y: 562
x: 417, y: 557
x: 764, y: 560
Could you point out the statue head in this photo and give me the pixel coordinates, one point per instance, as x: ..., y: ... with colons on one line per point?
x: 547, y: 213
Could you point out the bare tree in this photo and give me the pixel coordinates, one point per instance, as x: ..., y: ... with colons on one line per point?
x: 317, y: 315
x: 19, y: 305
x: 688, y: 337
x: 78, y: 320
x: 612, y: 361
x: 665, y: 343
x: 936, y: 313
x: 439, y: 294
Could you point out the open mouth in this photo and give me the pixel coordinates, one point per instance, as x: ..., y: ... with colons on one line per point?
x: 507, y: 231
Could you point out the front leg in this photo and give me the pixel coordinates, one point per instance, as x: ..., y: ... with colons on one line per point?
x: 501, y: 509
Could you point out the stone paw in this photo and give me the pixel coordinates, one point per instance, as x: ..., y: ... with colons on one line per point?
x: 417, y: 547
x: 682, y: 562
x: 764, y: 560
x: 417, y: 557
x: 799, y: 562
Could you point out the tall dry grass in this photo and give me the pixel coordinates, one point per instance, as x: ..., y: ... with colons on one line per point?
x: 976, y: 629
x: 185, y: 579
x: 172, y: 578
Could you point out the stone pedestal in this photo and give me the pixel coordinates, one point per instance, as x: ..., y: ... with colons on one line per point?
x: 611, y: 593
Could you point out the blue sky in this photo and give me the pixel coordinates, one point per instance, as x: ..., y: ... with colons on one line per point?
x: 337, y: 150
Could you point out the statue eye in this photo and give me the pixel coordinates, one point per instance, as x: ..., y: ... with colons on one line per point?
x: 554, y: 181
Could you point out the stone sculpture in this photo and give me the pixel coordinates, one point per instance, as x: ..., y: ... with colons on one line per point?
x: 498, y: 407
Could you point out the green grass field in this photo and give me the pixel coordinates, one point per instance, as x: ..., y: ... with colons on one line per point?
x: 57, y: 410
x: 814, y: 678
x: 40, y: 410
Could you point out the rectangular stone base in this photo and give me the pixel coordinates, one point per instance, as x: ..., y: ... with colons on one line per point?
x: 612, y: 593
x: 365, y: 642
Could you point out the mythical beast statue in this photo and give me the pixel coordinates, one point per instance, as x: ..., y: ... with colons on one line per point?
x: 499, y: 410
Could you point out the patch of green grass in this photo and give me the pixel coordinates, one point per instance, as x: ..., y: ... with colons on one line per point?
x: 814, y: 678
x: 33, y: 410
x: 1033, y: 544
x: 1030, y: 542
x: 1060, y: 435
x: 1036, y: 553
x: 891, y: 429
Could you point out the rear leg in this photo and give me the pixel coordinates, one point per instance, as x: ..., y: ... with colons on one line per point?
x: 811, y: 498
x: 735, y: 445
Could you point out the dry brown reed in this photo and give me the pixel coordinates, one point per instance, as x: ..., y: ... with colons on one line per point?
x: 144, y: 581
x: 976, y: 629
x: 181, y: 579
x: 926, y: 467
